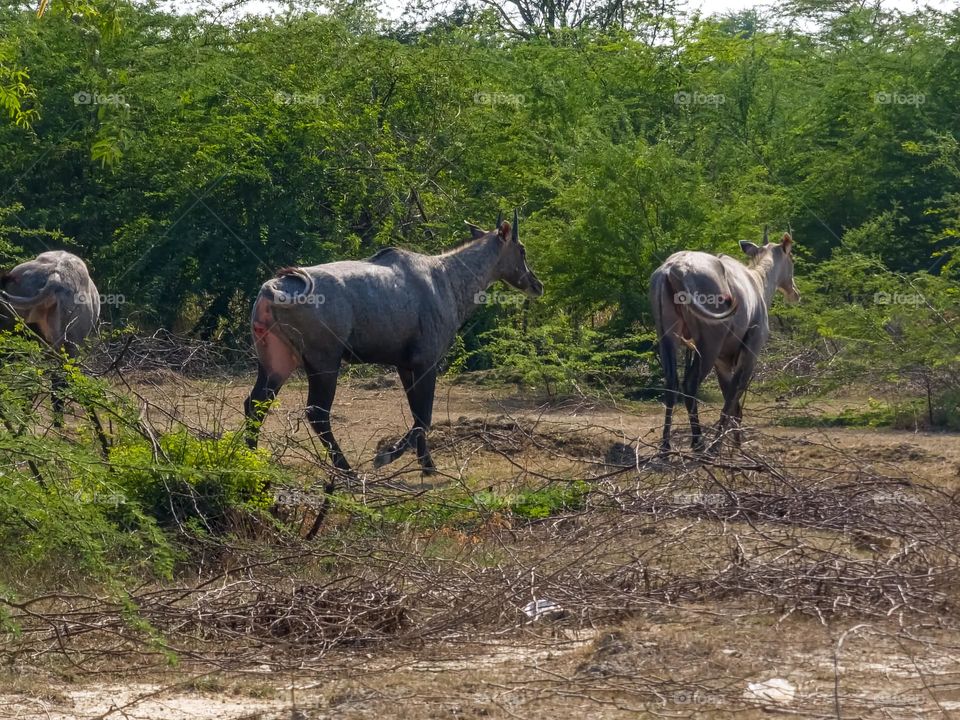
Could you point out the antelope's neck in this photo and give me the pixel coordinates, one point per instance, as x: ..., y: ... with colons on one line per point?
x: 471, y: 269
x: 766, y: 277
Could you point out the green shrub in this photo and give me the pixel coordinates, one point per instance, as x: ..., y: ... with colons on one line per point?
x: 75, y: 527
x: 192, y: 482
x: 550, y: 500
x: 558, y: 358
x: 74, y: 512
x: 64, y: 517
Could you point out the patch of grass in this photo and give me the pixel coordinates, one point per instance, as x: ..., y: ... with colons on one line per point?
x: 548, y: 501
x: 943, y: 413
x: 876, y: 414
x: 459, y: 509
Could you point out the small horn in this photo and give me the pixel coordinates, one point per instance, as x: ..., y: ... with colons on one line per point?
x: 499, y: 219
x: 766, y: 234
x: 515, y: 234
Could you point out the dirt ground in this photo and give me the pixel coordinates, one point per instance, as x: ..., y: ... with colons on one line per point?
x: 705, y: 651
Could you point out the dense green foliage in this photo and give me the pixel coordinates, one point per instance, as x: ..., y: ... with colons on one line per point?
x: 186, y: 481
x: 186, y: 157
x: 106, y: 500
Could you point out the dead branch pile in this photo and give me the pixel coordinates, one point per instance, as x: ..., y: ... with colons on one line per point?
x: 170, y: 352
x: 307, y: 613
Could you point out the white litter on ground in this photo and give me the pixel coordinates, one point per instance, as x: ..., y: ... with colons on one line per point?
x: 775, y: 690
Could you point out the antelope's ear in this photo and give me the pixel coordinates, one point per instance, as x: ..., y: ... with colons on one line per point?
x: 749, y: 248
x: 504, y: 230
x: 787, y: 243
x: 475, y: 230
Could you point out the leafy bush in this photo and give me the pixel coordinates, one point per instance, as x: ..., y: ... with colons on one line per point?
x: 558, y: 358
x: 877, y: 328
x: 75, y: 527
x: 186, y: 481
x: 548, y: 501
x: 85, y: 505
x: 63, y: 512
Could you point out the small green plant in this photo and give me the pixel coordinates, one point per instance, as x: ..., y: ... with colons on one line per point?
x: 458, y: 509
x: 904, y: 415
x: 64, y: 518
x: 191, y: 482
x: 876, y: 414
x: 550, y: 500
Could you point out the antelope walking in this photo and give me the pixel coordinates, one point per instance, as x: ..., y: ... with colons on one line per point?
x: 397, y: 308
x: 716, y: 307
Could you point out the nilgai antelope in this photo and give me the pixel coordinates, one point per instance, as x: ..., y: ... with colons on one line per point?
x: 396, y: 308
x: 717, y: 308
x: 54, y: 296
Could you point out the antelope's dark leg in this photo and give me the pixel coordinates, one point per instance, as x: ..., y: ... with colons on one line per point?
x: 255, y: 407
x: 322, y: 389
x: 725, y: 380
x: 419, y: 387
x: 733, y: 402
x: 691, y: 384
x: 668, y: 359
x: 395, y: 451
x: 58, y: 387
x: 420, y: 396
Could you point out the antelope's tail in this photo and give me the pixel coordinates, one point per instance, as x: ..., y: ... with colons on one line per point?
x: 692, y: 298
x: 300, y: 273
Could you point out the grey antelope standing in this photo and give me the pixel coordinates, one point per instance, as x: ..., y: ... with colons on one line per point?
x: 396, y: 308
x: 717, y: 308
x: 54, y: 296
